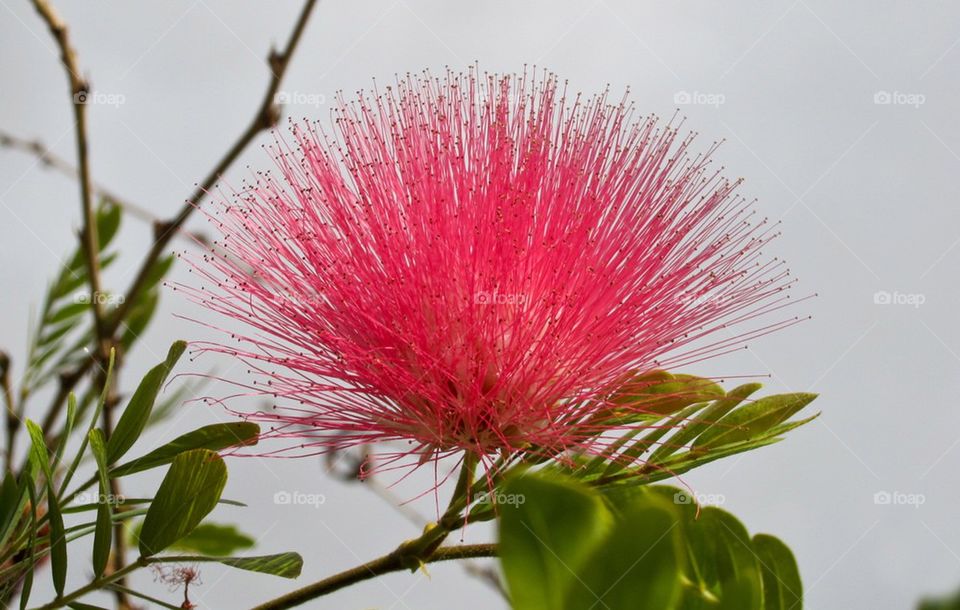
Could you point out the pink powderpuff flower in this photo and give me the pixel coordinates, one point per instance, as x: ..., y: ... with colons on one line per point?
x: 473, y: 263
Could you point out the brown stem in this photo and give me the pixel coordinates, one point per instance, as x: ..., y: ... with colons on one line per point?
x: 79, y: 89
x: 13, y: 418
x: 392, y: 562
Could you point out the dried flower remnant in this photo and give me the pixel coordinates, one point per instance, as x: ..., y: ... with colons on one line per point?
x: 176, y: 576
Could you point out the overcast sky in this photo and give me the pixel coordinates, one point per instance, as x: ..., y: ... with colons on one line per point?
x: 841, y: 117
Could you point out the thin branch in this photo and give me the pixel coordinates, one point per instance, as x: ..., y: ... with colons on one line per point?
x: 79, y: 90
x: 485, y: 574
x: 51, y: 160
x: 13, y: 417
x: 392, y: 562
x: 266, y: 117
x: 474, y: 569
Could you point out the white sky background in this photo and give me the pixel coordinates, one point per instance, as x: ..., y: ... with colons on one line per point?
x: 866, y: 192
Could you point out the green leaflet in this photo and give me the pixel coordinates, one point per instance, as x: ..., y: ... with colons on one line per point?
x: 635, y: 548
x: 137, y: 413
x: 188, y: 493
x: 214, y: 437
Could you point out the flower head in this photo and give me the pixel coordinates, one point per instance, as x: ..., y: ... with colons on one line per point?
x: 471, y: 263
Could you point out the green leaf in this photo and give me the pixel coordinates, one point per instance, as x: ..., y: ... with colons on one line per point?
x: 16, y: 494
x: 10, y: 505
x: 68, y: 475
x: 695, y: 426
x: 638, y: 567
x: 782, y: 587
x: 214, y: 540
x: 67, y: 427
x: 82, y: 606
x: 215, y: 437
x: 27, y: 586
x: 158, y: 271
x: 53, y: 335
x: 633, y: 453
x: 38, y: 449
x: 684, y: 462
x: 67, y: 312
x: 189, y: 491
x: 753, y: 419
x: 138, y: 318
x: 73, y: 275
x: 725, y: 559
x: 946, y: 603
x: 663, y: 393
x: 53, y: 344
x: 287, y: 565
x: 58, y: 541
x: 547, y: 537
x: 103, y: 536
x: 135, y: 416
x: 723, y: 566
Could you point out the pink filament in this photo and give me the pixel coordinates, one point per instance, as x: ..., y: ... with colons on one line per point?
x: 468, y: 263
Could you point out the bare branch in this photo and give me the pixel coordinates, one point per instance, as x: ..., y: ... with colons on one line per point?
x: 13, y: 417
x: 51, y: 160
x: 79, y: 88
